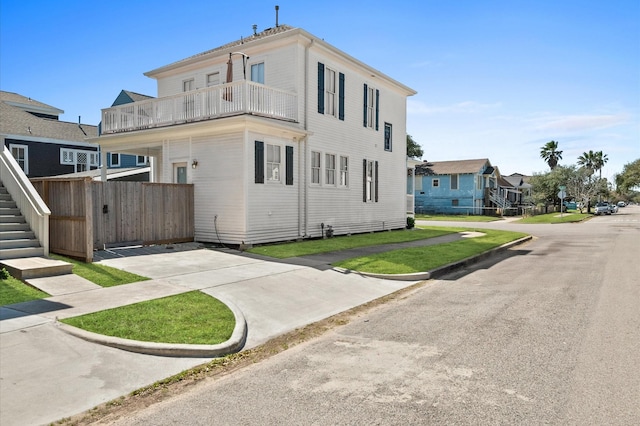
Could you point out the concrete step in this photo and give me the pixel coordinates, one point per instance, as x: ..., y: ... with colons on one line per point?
x: 17, y: 253
x: 10, y: 211
x: 9, y: 227
x: 6, y: 197
x: 16, y: 235
x: 19, y: 243
x: 7, y: 218
x: 36, y: 267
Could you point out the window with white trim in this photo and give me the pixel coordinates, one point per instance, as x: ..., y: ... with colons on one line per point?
x: 315, y: 167
x: 21, y: 154
x: 330, y: 169
x: 478, y: 182
x: 257, y: 73
x: 371, y: 103
x: 330, y: 92
x: 435, y: 183
x: 344, y: 171
x: 454, y: 181
x: 213, y: 79
x: 273, y: 163
x: 115, y: 159
x: 141, y: 160
x: 387, y: 137
x: 81, y: 159
x: 370, y: 181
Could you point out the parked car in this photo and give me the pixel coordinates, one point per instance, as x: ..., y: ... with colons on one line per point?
x: 602, y: 208
x: 613, y: 208
x: 621, y: 204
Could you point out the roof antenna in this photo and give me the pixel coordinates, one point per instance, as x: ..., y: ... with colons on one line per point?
x: 277, y: 9
x: 255, y: 29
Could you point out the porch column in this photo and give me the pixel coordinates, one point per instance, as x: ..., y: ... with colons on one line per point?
x: 103, y: 168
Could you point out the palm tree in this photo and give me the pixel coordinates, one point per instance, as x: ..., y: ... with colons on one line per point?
x: 600, y: 160
x: 588, y: 160
x: 550, y: 154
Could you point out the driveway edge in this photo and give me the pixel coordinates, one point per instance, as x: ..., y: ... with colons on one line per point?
x: 234, y: 344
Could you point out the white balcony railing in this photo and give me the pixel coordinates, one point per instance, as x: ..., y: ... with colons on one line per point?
x: 243, y: 97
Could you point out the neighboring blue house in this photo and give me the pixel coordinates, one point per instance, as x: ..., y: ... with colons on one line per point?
x: 457, y: 187
x: 119, y: 161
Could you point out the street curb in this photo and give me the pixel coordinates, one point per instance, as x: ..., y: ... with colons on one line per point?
x: 434, y: 273
x: 234, y: 344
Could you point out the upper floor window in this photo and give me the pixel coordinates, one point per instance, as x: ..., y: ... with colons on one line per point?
x: 387, y: 137
x: 257, y: 73
x: 371, y: 107
x: 213, y: 79
x: 331, y: 91
x: 141, y: 160
x: 478, y: 182
x: 454, y: 181
x: 435, y: 183
x: 188, y: 85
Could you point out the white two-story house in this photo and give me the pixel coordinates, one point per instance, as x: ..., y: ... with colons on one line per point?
x: 282, y: 135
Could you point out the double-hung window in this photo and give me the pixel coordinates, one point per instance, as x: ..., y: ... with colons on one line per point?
x: 387, y: 137
x: 344, y: 171
x: 371, y: 106
x: 330, y: 167
x: 315, y: 167
x: 454, y: 181
x: 273, y: 163
x: 435, y: 183
x: 115, y: 159
x: 331, y: 92
x: 370, y: 181
x: 21, y: 154
x: 257, y: 72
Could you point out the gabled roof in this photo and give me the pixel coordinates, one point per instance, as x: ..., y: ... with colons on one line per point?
x: 126, y: 97
x: 16, y: 121
x: 27, y: 104
x: 453, y: 167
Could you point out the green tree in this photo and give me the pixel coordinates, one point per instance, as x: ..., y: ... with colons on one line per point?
x: 550, y: 154
x: 580, y: 186
x: 588, y: 161
x: 600, y: 160
x: 629, y: 179
x: 414, y: 150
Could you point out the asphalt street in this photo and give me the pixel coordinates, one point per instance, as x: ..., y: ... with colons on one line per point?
x: 547, y: 334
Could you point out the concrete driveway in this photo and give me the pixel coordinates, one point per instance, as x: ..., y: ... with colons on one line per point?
x: 47, y: 374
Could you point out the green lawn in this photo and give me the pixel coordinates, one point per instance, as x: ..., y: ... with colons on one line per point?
x: 191, y: 318
x: 13, y: 291
x: 303, y: 248
x: 423, y: 259
x: 571, y: 216
x: 457, y: 218
x: 104, y: 276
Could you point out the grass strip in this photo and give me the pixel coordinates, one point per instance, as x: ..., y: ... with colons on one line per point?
x: 304, y: 248
x: 423, y: 259
x: 555, y: 218
x: 12, y: 290
x: 457, y: 218
x: 103, y: 275
x: 191, y: 318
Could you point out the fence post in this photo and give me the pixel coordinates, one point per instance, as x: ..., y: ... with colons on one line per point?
x: 88, y: 224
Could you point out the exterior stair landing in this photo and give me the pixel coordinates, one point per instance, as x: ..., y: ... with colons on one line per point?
x: 35, y: 267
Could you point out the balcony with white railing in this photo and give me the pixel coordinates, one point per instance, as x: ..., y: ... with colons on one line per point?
x: 242, y: 97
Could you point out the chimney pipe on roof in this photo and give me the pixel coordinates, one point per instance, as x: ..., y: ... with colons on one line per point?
x: 255, y: 29
x: 277, y: 9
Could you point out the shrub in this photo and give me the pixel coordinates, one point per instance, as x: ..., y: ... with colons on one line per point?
x: 411, y: 222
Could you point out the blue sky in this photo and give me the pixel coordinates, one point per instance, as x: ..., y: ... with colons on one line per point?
x: 495, y: 79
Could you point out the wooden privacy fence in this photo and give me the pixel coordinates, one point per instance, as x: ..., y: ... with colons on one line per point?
x: 88, y: 215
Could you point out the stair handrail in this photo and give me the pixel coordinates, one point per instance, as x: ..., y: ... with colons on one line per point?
x: 31, y: 205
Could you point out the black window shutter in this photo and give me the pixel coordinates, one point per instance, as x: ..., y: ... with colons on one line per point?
x: 289, y: 165
x: 320, y: 87
x: 377, y: 107
x: 259, y: 165
x: 376, y: 181
x: 341, y: 97
x: 364, y: 180
x: 364, y: 116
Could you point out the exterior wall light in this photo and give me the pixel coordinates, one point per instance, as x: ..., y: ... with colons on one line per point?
x: 194, y: 164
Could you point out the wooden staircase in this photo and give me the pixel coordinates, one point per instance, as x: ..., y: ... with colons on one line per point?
x: 20, y: 250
